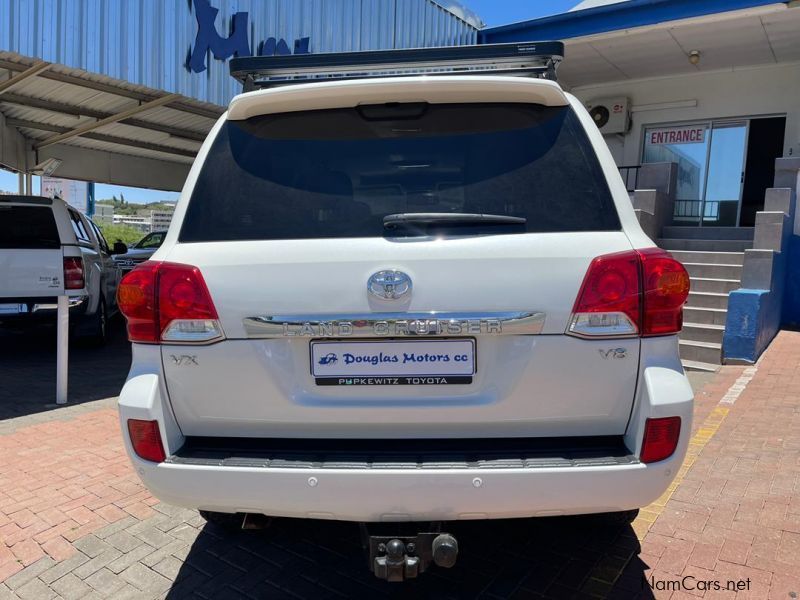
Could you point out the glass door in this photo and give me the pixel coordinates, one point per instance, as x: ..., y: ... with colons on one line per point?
x: 725, y: 174
x: 710, y: 158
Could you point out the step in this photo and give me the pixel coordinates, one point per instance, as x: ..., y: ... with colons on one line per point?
x: 706, y: 352
x: 705, y: 316
x: 707, y: 300
x: 705, y: 245
x: 720, y: 286
x: 703, y: 332
x: 693, y: 365
x: 713, y: 271
x: 707, y: 233
x: 716, y: 258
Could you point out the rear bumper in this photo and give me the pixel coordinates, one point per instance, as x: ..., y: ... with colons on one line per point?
x: 403, y: 495
x: 411, y: 493
x: 42, y: 309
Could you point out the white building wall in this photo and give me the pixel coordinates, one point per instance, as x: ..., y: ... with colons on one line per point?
x: 767, y: 90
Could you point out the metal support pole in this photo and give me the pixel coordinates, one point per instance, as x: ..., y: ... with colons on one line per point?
x: 29, y: 184
x: 21, y: 188
x: 62, y: 349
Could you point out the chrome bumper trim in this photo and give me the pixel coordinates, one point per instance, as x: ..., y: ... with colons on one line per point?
x: 74, y: 302
x: 376, y: 325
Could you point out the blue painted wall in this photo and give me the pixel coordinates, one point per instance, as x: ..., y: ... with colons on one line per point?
x: 791, y: 305
x: 756, y: 316
x: 149, y: 42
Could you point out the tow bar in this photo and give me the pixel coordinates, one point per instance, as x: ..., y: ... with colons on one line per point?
x: 401, y: 557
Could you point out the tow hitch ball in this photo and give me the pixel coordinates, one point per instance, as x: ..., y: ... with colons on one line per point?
x: 405, y: 557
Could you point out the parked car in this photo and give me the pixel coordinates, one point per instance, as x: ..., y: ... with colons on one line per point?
x: 417, y: 299
x: 140, y: 251
x: 49, y: 249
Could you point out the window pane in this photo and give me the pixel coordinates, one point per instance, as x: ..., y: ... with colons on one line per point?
x: 28, y: 227
x: 337, y: 173
x: 688, y: 147
x: 726, y: 162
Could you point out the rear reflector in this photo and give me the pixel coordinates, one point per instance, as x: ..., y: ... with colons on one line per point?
x: 168, y: 302
x: 638, y: 292
x: 73, y: 273
x: 146, y: 440
x: 660, y: 439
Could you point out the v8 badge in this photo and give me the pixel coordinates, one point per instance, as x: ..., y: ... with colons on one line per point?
x: 613, y: 353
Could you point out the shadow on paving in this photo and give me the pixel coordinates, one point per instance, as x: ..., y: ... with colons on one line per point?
x: 28, y: 368
x: 575, y: 557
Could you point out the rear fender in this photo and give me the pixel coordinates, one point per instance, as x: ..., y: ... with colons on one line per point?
x: 662, y: 391
x: 144, y: 397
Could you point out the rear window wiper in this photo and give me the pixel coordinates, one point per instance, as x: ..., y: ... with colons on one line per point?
x: 444, y: 220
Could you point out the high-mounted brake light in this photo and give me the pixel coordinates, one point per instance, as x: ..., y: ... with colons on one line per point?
x: 168, y: 302
x: 660, y: 439
x: 146, y: 440
x: 638, y: 292
x: 73, y: 273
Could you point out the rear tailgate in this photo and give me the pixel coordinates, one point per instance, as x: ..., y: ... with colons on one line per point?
x: 549, y: 384
x: 286, y: 225
x: 31, y: 256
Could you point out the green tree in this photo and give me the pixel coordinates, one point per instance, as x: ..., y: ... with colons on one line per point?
x: 124, y: 233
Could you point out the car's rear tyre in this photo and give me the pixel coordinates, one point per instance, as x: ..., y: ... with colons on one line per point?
x: 99, y: 335
x: 226, y: 521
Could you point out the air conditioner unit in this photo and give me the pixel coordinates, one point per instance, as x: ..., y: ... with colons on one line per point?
x: 611, y: 115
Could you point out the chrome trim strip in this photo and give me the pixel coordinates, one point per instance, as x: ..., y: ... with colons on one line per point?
x: 74, y: 301
x: 376, y: 325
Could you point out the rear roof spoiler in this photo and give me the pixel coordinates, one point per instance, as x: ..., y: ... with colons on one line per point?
x: 531, y: 59
x: 17, y: 199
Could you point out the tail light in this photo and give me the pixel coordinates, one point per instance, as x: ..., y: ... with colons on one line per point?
x: 146, y: 440
x: 73, y: 273
x: 638, y: 292
x: 666, y: 287
x: 660, y: 439
x: 168, y: 302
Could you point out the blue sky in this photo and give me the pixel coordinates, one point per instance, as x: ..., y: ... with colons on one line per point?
x: 9, y: 182
x: 501, y: 12
x: 493, y: 12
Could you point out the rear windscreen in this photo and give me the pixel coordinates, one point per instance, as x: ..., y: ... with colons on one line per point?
x: 28, y: 227
x: 338, y: 173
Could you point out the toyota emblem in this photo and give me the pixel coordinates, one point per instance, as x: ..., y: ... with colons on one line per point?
x: 389, y: 284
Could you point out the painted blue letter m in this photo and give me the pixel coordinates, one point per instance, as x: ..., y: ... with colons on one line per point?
x: 236, y: 44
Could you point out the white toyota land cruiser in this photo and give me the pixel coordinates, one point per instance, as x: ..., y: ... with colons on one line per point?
x: 414, y: 298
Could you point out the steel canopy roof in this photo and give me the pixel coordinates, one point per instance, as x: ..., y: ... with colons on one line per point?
x: 59, y: 109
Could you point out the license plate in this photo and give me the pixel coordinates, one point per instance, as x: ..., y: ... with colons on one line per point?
x: 13, y: 309
x: 389, y: 362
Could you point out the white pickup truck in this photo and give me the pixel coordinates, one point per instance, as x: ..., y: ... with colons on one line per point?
x: 406, y: 298
x: 49, y: 249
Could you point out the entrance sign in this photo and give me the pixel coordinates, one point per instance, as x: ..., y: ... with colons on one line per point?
x: 693, y: 134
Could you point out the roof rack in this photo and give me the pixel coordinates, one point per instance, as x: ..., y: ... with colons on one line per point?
x: 539, y: 59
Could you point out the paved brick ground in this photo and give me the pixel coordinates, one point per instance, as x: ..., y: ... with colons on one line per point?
x: 76, y: 523
x: 736, y: 512
x: 28, y: 372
